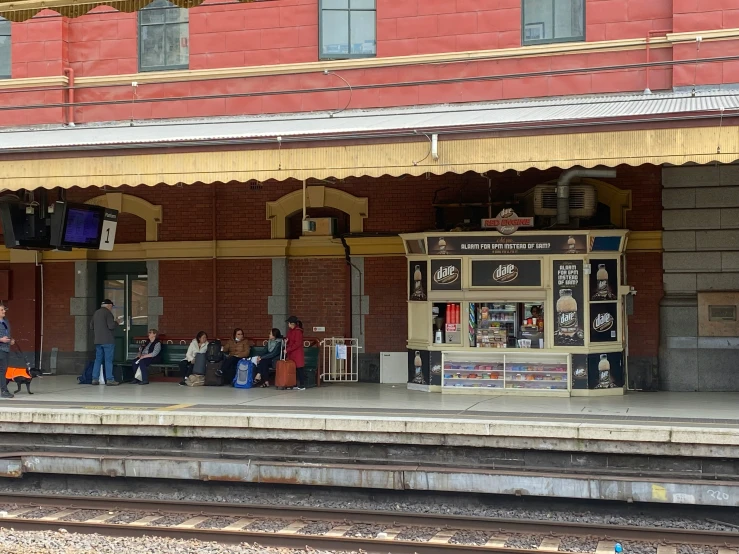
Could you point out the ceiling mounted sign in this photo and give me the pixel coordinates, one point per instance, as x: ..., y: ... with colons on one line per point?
x: 507, y: 222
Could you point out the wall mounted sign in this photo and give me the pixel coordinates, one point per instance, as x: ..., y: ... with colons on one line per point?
x: 446, y: 274
x: 568, y: 302
x: 417, y: 271
x: 507, y: 222
x: 506, y: 273
x: 491, y: 245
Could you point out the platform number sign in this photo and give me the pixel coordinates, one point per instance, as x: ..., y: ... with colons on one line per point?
x: 107, y: 235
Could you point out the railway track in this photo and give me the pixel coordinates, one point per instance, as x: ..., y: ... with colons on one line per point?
x: 337, y: 530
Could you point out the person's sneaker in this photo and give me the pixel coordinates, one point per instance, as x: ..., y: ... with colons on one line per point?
x: 7, y: 394
x: 112, y: 383
x: 96, y: 382
x: 183, y: 383
x: 299, y: 388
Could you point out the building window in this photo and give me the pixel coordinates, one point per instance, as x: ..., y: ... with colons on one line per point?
x: 4, y: 48
x: 553, y: 21
x: 347, y: 29
x: 164, y: 37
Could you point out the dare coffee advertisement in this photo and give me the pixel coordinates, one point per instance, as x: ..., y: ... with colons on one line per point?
x: 606, y: 371
x: 417, y: 273
x: 446, y: 274
x: 604, y: 324
x: 568, y: 303
x: 579, y: 371
x: 487, y: 245
x: 506, y: 273
x: 603, y: 280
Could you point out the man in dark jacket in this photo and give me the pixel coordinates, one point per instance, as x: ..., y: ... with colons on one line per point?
x: 103, y: 324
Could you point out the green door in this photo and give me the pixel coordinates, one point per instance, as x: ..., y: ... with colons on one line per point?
x: 129, y: 292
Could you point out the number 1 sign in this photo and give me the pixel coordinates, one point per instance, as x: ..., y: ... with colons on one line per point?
x: 107, y: 234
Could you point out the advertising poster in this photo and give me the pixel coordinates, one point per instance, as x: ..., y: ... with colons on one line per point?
x: 603, y: 280
x: 435, y: 368
x: 506, y: 273
x: 418, y: 367
x: 487, y: 245
x: 446, y: 274
x: 417, y: 272
x: 606, y: 371
x: 579, y: 371
x: 604, y: 322
x: 568, y: 303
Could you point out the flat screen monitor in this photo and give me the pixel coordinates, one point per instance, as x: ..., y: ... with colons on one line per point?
x: 82, y: 227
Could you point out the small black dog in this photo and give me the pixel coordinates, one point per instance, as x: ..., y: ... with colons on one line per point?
x: 22, y: 376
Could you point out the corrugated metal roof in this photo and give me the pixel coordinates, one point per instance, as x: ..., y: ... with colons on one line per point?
x: 451, y: 118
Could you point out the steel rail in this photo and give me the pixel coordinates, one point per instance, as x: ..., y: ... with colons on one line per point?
x: 394, y: 519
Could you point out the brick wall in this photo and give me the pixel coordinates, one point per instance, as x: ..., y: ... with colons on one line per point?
x: 243, y: 288
x: 386, y: 283
x: 318, y: 290
x: 186, y: 287
x: 644, y: 273
x: 58, y: 289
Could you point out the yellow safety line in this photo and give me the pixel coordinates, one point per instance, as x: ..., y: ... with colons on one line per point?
x: 174, y: 407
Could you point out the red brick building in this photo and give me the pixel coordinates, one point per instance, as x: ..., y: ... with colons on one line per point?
x: 200, y: 125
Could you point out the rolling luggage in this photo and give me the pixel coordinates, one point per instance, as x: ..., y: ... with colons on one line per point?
x: 213, y: 375
x: 285, y: 372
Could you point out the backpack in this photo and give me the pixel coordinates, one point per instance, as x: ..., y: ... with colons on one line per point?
x: 86, y: 377
x: 244, y: 374
x: 213, y: 353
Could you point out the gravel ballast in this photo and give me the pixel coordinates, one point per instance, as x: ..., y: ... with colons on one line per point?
x: 470, y: 505
x: 58, y: 542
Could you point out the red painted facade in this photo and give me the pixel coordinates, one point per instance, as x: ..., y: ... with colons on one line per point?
x: 104, y: 43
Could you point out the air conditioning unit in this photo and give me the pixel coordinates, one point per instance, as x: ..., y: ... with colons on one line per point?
x: 542, y: 201
x: 319, y: 227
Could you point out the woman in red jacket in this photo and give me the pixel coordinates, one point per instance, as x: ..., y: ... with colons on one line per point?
x: 294, y: 348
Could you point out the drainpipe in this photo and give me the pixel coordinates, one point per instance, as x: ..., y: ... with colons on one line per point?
x: 215, y: 265
x: 69, y: 72
x: 563, y: 189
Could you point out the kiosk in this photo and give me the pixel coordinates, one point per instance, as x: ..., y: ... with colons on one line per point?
x: 532, y: 312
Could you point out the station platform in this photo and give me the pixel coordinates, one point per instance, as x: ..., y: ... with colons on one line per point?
x: 640, y: 447
x: 653, y: 409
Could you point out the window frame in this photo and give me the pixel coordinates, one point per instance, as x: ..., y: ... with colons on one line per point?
x: 524, y: 42
x: 349, y: 55
x: 140, y: 25
x: 9, y: 25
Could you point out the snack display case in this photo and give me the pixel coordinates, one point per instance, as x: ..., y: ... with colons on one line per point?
x: 546, y: 374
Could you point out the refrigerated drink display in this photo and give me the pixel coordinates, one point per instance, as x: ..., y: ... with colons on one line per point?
x: 496, y: 325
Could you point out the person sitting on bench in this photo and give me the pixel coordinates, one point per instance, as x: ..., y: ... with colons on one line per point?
x: 198, y: 346
x: 267, y: 362
x: 150, y: 353
x: 236, y: 349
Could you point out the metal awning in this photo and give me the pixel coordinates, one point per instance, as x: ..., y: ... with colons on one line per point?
x: 451, y: 119
x: 560, y: 133
x: 22, y: 10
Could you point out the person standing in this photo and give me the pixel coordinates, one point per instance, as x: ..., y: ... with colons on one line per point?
x: 294, y: 349
x: 103, y: 324
x: 6, y: 341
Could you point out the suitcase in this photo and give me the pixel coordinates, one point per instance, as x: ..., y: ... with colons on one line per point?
x: 285, y: 372
x: 213, y: 377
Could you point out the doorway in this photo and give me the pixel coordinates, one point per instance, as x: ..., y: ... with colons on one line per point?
x: 127, y: 285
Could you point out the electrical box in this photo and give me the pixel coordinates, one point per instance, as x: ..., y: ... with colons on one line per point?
x: 319, y: 227
x: 394, y: 367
